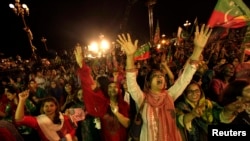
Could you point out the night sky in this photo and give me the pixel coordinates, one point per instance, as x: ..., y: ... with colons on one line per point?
x: 65, y: 23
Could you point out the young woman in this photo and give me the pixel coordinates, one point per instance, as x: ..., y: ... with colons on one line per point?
x: 51, y: 124
x: 195, y: 113
x: 103, y: 99
x: 158, y: 113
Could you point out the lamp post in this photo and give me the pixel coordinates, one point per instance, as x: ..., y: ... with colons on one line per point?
x: 22, y: 10
x: 186, y: 24
x: 150, y: 4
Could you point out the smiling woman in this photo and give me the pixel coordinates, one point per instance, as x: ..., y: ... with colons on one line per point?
x: 51, y: 124
x: 195, y: 112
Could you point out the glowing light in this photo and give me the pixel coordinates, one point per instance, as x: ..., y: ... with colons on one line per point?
x: 93, y: 47
x: 104, y: 45
x: 11, y: 6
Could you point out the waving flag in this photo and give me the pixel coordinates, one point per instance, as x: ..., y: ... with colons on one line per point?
x: 230, y: 14
x: 157, y: 36
x: 143, y: 52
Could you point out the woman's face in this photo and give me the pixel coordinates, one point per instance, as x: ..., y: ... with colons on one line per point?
x: 68, y: 88
x: 49, y: 108
x: 229, y: 70
x: 112, y: 90
x: 53, y: 84
x: 10, y: 96
x: 79, y: 95
x: 193, y: 93
x: 236, y: 62
x: 157, y: 81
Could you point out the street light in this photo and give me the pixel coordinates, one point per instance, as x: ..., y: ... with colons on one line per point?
x: 163, y: 44
x: 19, y: 9
x: 99, y: 48
x: 22, y: 10
x: 186, y: 24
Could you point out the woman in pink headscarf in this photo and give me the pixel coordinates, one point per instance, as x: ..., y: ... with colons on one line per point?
x: 158, y: 113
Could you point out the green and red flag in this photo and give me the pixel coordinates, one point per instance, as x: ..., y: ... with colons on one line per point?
x: 230, y: 14
x: 143, y: 52
x: 157, y: 35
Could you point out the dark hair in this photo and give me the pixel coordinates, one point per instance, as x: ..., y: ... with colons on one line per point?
x: 194, y: 83
x: 233, y: 90
x: 11, y: 89
x: 197, y: 77
x: 104, y: 82
x: 56, y: 119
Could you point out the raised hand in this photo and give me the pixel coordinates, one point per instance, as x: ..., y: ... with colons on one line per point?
x: 23, y: 95
x: 78, y: 55
x: 201, y: 36
x: 199, y: 110
x: 127, y: 45
x: 237, y: 106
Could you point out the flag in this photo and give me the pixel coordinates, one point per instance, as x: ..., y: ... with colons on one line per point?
x: 229, y: 14
x: 143, y: 52
x: 217, y: 34
x: 157, y: 36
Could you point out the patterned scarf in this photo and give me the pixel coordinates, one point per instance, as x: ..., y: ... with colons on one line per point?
x: 161, y: 111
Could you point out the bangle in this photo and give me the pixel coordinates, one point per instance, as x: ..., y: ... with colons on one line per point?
x: 194, y: 61
x: 131, y: 70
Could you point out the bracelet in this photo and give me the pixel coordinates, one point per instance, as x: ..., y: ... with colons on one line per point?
x: 131, y: 70
x: 194, y: 61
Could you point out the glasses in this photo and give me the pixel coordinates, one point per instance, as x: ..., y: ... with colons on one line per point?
x: 193, y: 91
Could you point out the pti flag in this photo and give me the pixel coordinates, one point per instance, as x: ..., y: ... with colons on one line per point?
x: 143, y: 52
x: 229, y: 14
x: 157, y: 36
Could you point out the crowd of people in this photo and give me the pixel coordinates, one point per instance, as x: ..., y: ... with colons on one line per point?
x: 186, y: 87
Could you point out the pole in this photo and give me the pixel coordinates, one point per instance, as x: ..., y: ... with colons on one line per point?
x: 150, y: 5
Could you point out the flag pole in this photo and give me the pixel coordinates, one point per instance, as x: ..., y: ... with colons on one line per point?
x: 150, y: 4
x: 193, y: 27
